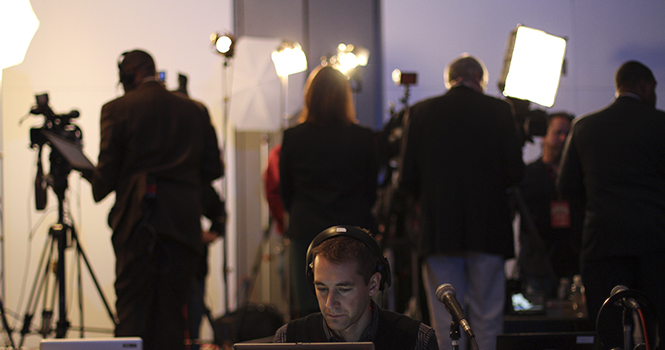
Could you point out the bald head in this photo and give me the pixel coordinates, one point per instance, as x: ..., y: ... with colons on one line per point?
x: 466, y: 70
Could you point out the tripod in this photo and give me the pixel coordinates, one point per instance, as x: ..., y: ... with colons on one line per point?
x: 61, y: 236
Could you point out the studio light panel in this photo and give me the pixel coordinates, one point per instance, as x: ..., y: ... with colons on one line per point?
x: 535, y: 64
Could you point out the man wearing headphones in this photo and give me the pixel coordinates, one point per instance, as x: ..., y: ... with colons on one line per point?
x: 347, y: 268
x: 157, y: 152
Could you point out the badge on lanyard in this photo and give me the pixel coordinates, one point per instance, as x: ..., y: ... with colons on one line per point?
x: 560, y: 214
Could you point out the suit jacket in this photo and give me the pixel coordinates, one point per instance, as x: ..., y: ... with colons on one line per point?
x: 614, y: 159
x: 152, y: 132
x: 462, y: 154
x: 328, y: 176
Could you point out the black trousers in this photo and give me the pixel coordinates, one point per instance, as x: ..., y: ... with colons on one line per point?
x: 153, y: 277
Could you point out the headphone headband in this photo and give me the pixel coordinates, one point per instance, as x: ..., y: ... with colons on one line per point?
x: 383, y: 266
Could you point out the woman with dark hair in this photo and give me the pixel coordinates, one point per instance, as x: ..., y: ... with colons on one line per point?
x: 328, y: 173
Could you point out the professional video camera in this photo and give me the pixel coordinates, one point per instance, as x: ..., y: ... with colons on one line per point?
x: 530, y: 122
x: 61, y: 126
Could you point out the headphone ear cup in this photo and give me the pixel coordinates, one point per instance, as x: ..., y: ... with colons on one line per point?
x: 126, y: 77
x: 126, y: 74
x: 359, y: 234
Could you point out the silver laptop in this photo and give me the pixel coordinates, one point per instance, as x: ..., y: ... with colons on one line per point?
x: 305, y: 346
x: 131, y: 343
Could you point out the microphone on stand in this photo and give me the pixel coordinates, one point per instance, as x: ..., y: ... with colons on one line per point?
x: 626, y: 302
x: 446, y: 294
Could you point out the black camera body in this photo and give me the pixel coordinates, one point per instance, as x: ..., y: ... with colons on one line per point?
x: 59, y: 124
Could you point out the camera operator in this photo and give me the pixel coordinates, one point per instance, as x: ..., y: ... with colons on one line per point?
x: 157, y: 152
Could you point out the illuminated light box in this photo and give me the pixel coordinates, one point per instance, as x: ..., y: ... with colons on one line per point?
x: 532, y: 66
x: 289, y: 59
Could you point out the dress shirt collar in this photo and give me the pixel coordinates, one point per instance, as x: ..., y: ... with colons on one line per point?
x: 628, y: 94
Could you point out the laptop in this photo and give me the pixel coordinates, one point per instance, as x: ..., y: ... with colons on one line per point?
x: 130, y: 343
x: 305, y: 346
x: 527, y: 304
x: 547, y: 341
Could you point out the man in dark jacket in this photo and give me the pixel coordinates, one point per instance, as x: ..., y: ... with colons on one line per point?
x: 614, y: 160
x: 157, y: 152
x: 462, y: 154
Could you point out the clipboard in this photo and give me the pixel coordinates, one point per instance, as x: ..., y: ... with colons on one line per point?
x: 70, y: 150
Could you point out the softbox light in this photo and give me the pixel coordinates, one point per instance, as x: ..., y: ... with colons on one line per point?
x: 532, y: 65
x: 18, y: 24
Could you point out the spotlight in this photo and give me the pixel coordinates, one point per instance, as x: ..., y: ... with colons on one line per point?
x: 289, y: 59
x: 224, y: 44
x: 349, y: 57
x: 532, y: 65
x: 403, y: 78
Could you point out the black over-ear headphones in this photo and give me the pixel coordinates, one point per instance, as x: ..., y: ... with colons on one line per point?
x: 126, y: 74
x: 357, y: 233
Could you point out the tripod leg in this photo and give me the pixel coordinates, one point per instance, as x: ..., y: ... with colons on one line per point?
x: 41, y: 281
x: 6, y: 324
x: 79, y: 249
x: 60, y: 231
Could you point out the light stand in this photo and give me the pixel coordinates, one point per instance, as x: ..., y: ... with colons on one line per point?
x: 225, y: 46
x: 288, y: 59
x: 393, y: 206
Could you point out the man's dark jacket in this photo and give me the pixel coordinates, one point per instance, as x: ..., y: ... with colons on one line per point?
x: 615, y: 160
x: 462, y: 155
x: 152, y: 132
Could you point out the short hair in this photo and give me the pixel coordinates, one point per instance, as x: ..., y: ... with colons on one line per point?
x: 328, y: 99
x: 631, y: 73
x: 565, y: 115
x: 137, y: 60
x: 463, y: 68
x: 342, y: 249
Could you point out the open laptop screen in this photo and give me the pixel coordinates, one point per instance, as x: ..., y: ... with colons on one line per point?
x: 131, y: 343
x: 305, y: 346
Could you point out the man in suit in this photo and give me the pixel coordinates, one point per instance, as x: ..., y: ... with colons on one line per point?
x: 614, y: 160
x: 157, y: 152
x: 462, y: 154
